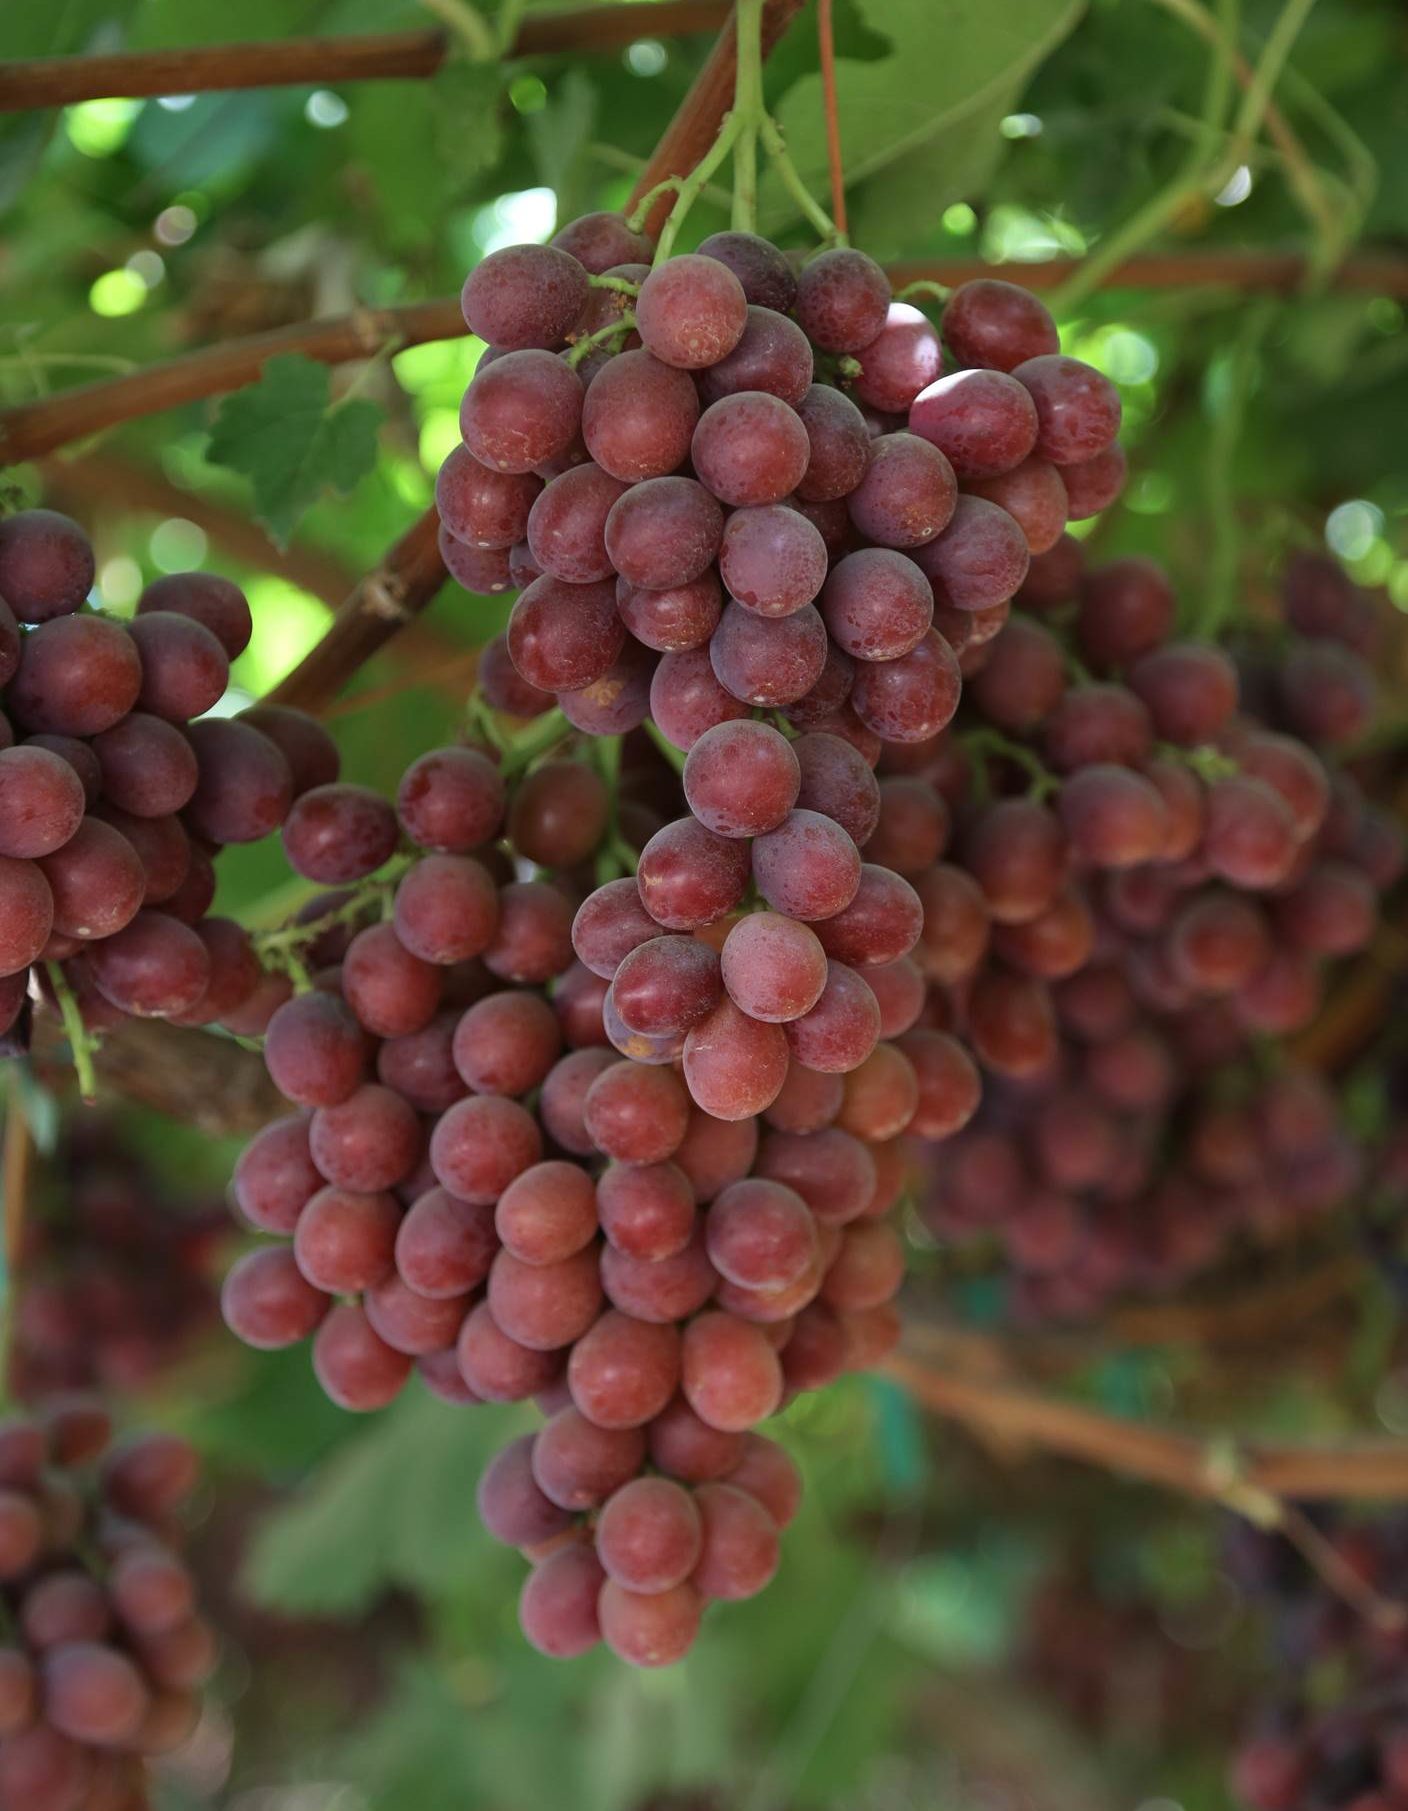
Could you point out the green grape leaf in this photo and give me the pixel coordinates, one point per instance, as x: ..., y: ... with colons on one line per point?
x: 395, y: 1508
x: 286, y: 435
x: 937, y: 135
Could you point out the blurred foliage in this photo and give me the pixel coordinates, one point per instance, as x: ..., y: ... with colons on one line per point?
x: 948, y: 1633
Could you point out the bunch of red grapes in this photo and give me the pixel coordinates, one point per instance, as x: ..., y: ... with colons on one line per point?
x: 1345, y: 1749
x: 666, y: 1232
x: 104, y: 1652
x: 118, y: 1271
x: 1125, y: 932
x: 114, y: 799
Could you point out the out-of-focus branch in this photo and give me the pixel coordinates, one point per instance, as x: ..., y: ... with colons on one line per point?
x: 1249, y: 1476
x: 382, y: 56
x: 99, y: 481
x: 205, y: 1081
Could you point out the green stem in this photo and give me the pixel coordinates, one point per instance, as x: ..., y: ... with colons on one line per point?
x: 991, y: 743
x: 469, y: 25
x: 1268, y: 68
x: 675, y: 756
x: 693, y: 184
x: 925, y: 289
x: 748, y: 110
x: 640, y: 213
x: 1220, y: 591
x: 1193, y: 174
x: 507, y: 23
x: 541, y: 734
x: 290, y: 938
x: 620, y: 285
x: 81, y: 1041
x: 791, y: 179
x: 612, y: 330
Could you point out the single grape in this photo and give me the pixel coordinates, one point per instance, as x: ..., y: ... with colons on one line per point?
x: 639, y: 417
x: 446, y: 909
x: 908, y: 492
x: 522, y: 411
x: 772, y: 560
x: 646, y: 1210
x: 95, y: 886
x: 267, y: 1301
x: 734, y: 1065
x: 839, y: 446
x: 840, y: 1031
x: 768, y: 661
x: 481, y: 1144
x: 41, y: 801
x: 562, y: 637
x: 578, y: 1464
x: 999, y: 325
x: 154, y: 967
x: 691, y: 311
x: 901, y: 361
x: 910, y: 699
x: 764, y: 271
x: 664, y: 531
x: 566, y: 525
x: 750, y: 449
x: 544, y: 1306
x: 686, y: 698
x: 624, y: 1370
x: 741, y: 779
x: 688, y: 876
x: 525, y: 295
x: 451, y: 800
x: 877, y: 604
x: 46, y: 565
x: 355, y: 1366
x: 666, y: 985
x: 674, y: 618
x: 772, y: 354
x: 77, y: 675
x: 843, y: 300
x: 245, y: 786
x: 482, y: 507
x: 1078, y: 409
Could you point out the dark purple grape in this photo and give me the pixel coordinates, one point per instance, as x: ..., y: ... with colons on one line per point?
x: 771, y: 661
x: 563, y: 637
x: 691, y: 311
x: 907, y: 495
x: 522, y: 411
x: 665, y: 531
x: 764, y: 271
x: 773, y: 354
x: 1078, y: 409
x: 525, y: 295
x: 750, y: 449
x: 843, y: 300
x: 46, y: 565
x: 639, y: 417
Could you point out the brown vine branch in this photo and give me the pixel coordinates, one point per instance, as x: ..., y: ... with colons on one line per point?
x: 385, y: 56
x: 378, y: 606
x: 205, y: 1081
x: 30, y: 429
x: 1250, y: 1476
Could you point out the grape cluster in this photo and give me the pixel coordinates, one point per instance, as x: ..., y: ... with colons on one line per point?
x: 1316, y: 1751
x: 117, y: 790
x: 118, y: 1274
x: 721, y: 484
x: 105, y: 1652
x: 480, y: 1187
x: 1148, y: 870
